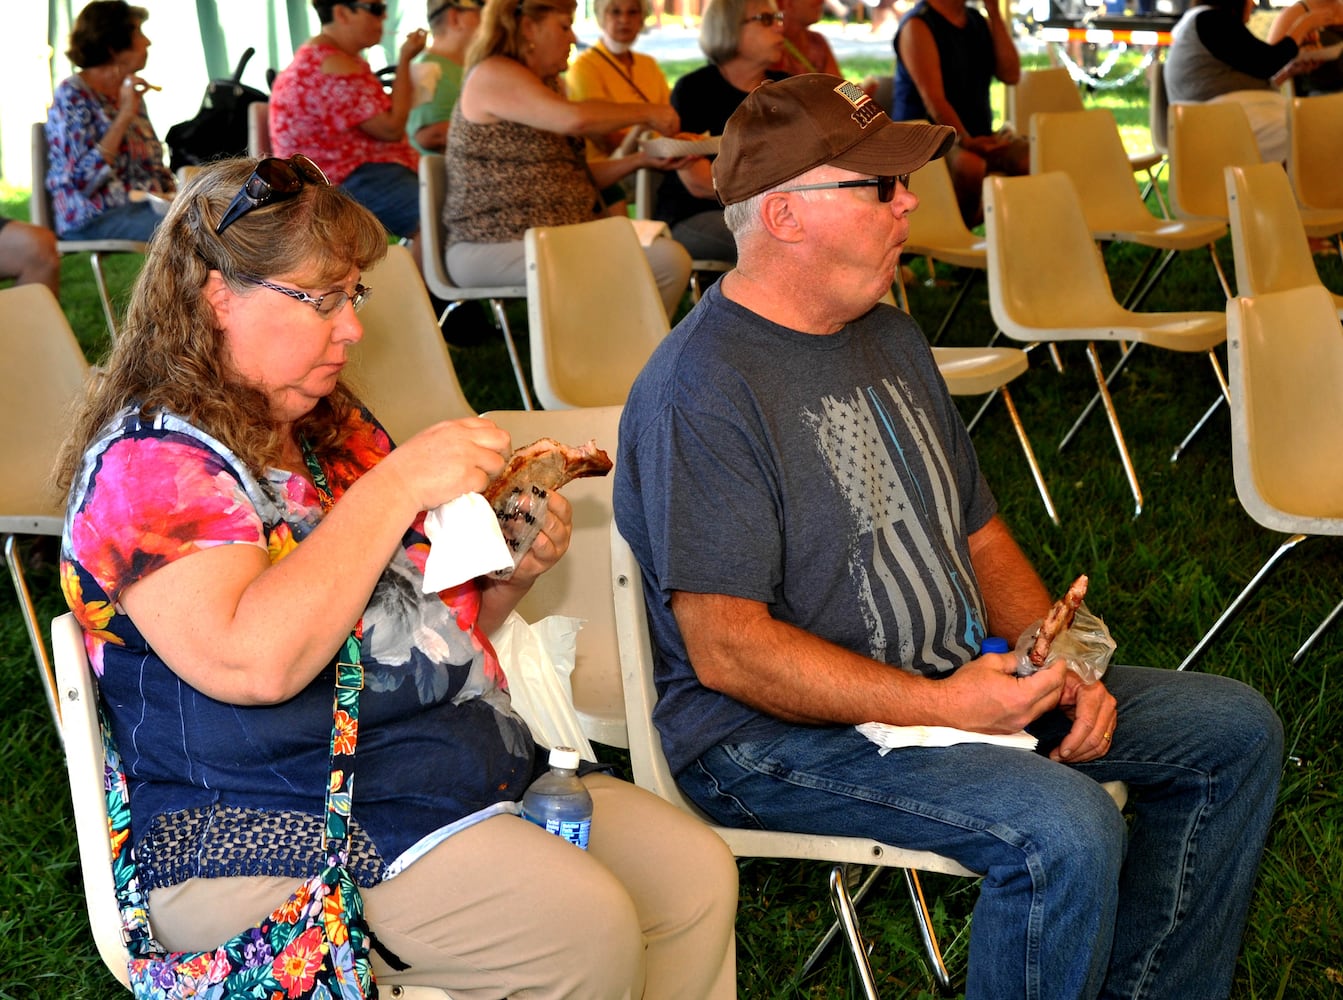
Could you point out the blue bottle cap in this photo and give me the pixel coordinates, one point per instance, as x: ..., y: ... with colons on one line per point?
x: 994, y: 644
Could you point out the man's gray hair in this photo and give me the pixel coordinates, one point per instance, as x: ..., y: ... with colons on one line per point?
x: 720, y: 30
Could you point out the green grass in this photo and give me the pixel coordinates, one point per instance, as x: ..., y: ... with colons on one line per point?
x: 1159, y: 580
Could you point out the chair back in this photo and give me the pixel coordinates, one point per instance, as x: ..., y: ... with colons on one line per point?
x: 1315, y: 152
x: 39, y: 204
x: 579, y: 585
x: 84, y: 761
x: 1045, y: 271
x: 1158, y: 105
x: 936, y: 227
x: 46, y: 371
x: 258, y: 129
x: 1086, y: 146
x: 402, y: 370
x: 1050, y: 89
x: 1267, y: 236
x: 1286, y: 378
x: 594, y: 312
x: 1204, y: 140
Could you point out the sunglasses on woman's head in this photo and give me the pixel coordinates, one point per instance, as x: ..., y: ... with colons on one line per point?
x: 272, y: 181
x: 768, y: 18
x: 376, y: 9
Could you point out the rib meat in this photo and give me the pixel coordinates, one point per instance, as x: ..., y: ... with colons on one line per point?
x: 546, y: 465
x: 1058, y: 621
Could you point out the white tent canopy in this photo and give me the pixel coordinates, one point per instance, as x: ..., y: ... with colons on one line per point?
x: 193, y: 42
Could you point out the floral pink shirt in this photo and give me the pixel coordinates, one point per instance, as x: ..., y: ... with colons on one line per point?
x: 318, y: 114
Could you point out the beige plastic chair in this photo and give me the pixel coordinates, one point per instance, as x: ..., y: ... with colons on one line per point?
x: 1269, y: 242
x: 46, y: 370
x: 258, y: 129
x: 1052, y: 89
x: 1286, y: 360
x: 975, y: 371
x: 1086, y: 146
x: 39, y: 213
x: 1204, y: 140
x: 1047, y: 282
x: 84, y: 760
x: 937, y: 231
x: 402, y: 370
x: 594, y: 313
x: 579, y: 586
x: 433, y: 193
x: 651, y: 771
x: 1315, y: 152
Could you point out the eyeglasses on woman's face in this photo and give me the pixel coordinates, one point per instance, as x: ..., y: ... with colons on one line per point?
x: 325, y: 305
x: 273, y: 180
x: 885, y: 186
x: 767, y: 18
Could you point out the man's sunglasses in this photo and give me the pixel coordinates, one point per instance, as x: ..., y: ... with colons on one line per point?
x: 885, y: 185
x: 376, y: 9
x: 272, y: 181
x: 768, y: 18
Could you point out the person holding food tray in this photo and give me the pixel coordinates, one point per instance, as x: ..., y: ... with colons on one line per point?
x: 821, y: 551
x: 236, y: 521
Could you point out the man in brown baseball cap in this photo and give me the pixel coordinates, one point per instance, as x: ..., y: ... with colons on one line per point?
x: 820, y: 549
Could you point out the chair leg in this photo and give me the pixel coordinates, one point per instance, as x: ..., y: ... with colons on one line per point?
x: 1323, y: 627
x: 961, y: 293
x: 847, y: 916
x: 501, y: 318
x: 926, y: 932
x: 1091, y: 404
x: 1225, y: 397
x: 1241, y: 598
x: 29, y: 611
x: 1036, y: 474
x: 1147, y: 278
x: 1104, y: 392
x: 96, y: 262
x: 1221, y: 274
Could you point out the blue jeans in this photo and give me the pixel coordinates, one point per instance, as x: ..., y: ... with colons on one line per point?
x: 135, y: 220
x: 391, y: 192
x: 1073, y: 904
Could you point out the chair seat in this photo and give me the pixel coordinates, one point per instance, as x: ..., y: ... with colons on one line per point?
x: 100, y: 246
x: 973, y: 371
x: 1174, y: 331
x: 1146, y: 160
x: 973, y: 255
x: 1164, y: 234
x: 1322, y: 223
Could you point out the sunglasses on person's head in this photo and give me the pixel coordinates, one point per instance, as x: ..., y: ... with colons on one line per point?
x: 273, y: 180
x: 768, y: 18
x: 376, y: 9
x: 326, y: 305
x: 885, y: 185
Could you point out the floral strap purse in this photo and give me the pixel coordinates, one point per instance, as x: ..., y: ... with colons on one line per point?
x: 316, y: 943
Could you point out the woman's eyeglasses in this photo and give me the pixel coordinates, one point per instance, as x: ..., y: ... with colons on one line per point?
x: 273, y: 180
x: 326, y: 305
x: 768, y: 18
x: 885, y: 186
x: 376, y: 9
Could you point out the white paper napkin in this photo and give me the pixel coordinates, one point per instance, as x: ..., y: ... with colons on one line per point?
x: 890, y: 738
x: 465, y: 542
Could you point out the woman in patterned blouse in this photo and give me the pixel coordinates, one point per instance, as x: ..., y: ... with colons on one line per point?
x: 105, y: 166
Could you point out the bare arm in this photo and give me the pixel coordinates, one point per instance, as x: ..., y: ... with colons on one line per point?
x: 499, y: 89
x: 244, y: 630
x: 697, y: 176
x: 918, y: 54
x: 1006, y: 59
x: 1283, y: 23
x: 390, y: 125
x: 1014, y: 594
x: 434, y: 136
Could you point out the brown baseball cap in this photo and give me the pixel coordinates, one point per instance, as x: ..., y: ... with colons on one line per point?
x: 787, y: 127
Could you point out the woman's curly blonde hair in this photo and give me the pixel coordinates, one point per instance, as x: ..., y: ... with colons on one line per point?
x: 171, y: 354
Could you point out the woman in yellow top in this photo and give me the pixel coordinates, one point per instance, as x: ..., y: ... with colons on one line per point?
x: 610, y: 70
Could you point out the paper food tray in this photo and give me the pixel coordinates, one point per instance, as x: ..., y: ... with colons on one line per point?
x: 665, y: 149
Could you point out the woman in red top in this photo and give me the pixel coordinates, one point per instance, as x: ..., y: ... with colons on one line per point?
x: 329, y: 105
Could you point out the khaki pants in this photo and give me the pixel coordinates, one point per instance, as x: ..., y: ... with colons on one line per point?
x: 504, y: 909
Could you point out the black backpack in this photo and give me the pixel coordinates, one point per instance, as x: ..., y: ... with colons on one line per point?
x: 219, y: 129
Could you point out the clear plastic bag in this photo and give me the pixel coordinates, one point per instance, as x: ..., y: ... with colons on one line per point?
x: 1086, y: 645
x: 520, y: 519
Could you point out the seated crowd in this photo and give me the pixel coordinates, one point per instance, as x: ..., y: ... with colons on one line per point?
x: 238, y: 520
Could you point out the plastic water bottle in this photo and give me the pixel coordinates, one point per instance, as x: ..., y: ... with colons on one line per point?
x: 558, y: 802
